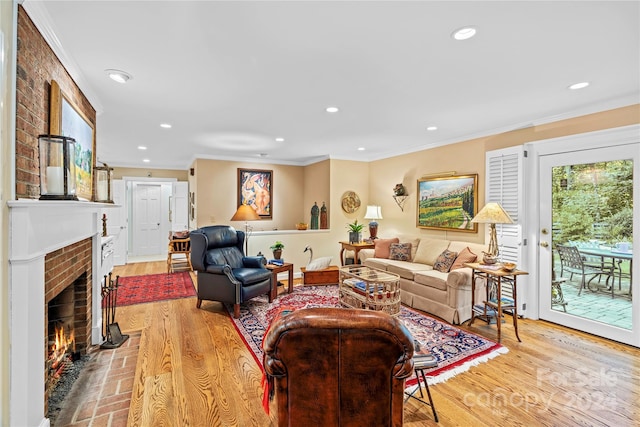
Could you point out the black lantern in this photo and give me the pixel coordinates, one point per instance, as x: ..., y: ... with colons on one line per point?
x: 57, y: 167
x: 102, y: 183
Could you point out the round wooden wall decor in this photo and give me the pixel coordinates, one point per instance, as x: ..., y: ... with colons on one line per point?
x: 350, y: 202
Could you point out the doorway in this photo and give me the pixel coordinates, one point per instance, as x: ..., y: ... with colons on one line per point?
x: 587, y: 232
x: 148, y: 217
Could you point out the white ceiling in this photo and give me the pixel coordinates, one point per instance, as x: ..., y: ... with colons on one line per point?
x: 231, y: 76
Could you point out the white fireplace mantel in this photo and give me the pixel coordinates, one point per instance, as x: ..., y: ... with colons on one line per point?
x: 37, y: 228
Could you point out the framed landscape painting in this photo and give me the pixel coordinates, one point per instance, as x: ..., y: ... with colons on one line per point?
x: 67, y: 120
x: 255, y: 188
x: 448, y: 202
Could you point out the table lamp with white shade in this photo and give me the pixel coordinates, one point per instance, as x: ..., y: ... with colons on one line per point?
x: 245, y: 213
x: 373, y: 213
x: 492, y: 214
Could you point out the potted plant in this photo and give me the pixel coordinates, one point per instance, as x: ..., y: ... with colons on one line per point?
x: 277, y: 248
x: 355, y: 231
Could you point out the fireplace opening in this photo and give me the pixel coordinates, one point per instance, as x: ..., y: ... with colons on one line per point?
x: 61, y: 345
x: 66, y: 321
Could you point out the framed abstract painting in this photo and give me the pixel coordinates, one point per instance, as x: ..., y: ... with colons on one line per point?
x: 255, y: 188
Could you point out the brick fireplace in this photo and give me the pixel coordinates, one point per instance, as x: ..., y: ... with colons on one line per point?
x: 67, y: 292
x: 53, y: 245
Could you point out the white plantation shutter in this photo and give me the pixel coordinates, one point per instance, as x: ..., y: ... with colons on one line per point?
x: 505, y: 186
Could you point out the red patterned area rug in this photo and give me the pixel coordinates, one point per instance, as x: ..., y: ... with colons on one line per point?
x: 154, y: 287
x: 455, y: 349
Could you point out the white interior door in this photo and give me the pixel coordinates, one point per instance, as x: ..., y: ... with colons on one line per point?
x: 180, y: 206
x: 147, y: 219
x: 577, y: 185
x: 117, y: 225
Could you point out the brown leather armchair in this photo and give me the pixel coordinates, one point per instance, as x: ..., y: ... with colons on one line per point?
x: 338, y: 367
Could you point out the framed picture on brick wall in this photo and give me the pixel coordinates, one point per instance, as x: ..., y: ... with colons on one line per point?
x: 66, y: 119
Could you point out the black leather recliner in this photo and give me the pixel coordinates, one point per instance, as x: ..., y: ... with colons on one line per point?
x: 224, y: 273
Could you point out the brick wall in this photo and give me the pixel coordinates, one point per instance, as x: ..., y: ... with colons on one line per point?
x: 37, y: 65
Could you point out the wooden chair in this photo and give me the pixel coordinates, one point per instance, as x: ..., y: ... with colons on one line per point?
x: 178, y: 256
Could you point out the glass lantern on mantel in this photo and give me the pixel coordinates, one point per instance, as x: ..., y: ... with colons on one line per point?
x: 102, y: 183
x: 57, y: 167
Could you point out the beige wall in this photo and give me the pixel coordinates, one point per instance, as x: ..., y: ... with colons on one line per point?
x: 316, y: 189
x: 468, y: 157
x: 217, y: 194
x: 296, y: 188
x: 461, y: 158
x: 179, y: 174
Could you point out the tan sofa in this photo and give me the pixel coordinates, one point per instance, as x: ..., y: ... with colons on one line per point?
x: 446, y: 295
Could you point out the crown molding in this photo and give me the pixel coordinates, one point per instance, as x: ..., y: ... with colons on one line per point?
x: 38, y: 13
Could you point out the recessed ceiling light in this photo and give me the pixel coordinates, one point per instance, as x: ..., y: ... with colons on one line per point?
x: 432, y: 128
x: 165, y: 125
x: 118, y: 75
x: 464, y: 33
x: 332, y: 109
x: 146, y: 160
x: 580, y: 85
x: 361, y: 148
x: 279, y: 139
x: 141, y: 147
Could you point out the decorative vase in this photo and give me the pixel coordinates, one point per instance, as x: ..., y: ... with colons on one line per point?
x: 355, y: 237
x: 489, y: 259
x: 277, y: 253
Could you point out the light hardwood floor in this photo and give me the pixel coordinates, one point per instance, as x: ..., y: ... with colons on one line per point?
x: 194, y: 370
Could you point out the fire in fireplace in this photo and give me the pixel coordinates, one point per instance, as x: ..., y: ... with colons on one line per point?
x: 61, y: 344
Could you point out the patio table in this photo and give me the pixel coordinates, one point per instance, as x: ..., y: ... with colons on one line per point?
x: 615, y: 255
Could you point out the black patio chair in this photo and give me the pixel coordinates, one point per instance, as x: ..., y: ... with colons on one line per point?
x: 572, y: 262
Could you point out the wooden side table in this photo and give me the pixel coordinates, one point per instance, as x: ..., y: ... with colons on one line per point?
x: 275, y: 269
x: 495, y: 303
x: 356, y: 247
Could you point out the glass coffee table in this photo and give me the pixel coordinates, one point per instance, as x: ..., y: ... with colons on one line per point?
x: 370, y: 289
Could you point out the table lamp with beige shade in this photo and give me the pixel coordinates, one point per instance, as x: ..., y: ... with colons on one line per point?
x: 245, y: 213
x: 492, y: 214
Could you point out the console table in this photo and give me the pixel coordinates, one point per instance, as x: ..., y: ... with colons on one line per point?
x: 495, y: 302
x: 355, y: 247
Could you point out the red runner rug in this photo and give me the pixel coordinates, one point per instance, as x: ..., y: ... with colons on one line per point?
x: 154, y: 287
x: 455, y: 349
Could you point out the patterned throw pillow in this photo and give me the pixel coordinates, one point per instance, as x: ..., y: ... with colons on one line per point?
x: 464, y: 256
x: 400, y: 251
x: 445, y: 261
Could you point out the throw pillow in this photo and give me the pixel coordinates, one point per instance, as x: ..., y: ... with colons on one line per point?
x: 429, y: 249
x: 464, y: 256
x: 445, y: 261
x: 400, y: 251
x: 412, y: 241
x: 382, y: 247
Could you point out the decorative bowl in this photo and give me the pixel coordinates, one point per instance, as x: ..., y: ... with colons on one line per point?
x: 301, y: 226
x: 508, y: 266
